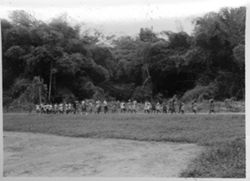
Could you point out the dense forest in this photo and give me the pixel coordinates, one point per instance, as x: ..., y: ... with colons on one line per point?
x: 56, y: 61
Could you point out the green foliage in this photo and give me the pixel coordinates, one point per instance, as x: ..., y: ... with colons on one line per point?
x: 103, y: 57
x: 7, y: 99
x: 29, y: 91
x: 19, y: 87
x: 147, y: 35
x: 69, y: 58
x: 22, y: 18
x: 239, y: 55
x: 200, y: 93
x: 24, y: 94
x: 178, y: 40
x: 142, y: 93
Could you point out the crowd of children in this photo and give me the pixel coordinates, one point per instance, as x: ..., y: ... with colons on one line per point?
x: 131, y: 106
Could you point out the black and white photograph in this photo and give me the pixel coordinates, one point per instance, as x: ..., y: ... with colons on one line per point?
x: 122, y: 88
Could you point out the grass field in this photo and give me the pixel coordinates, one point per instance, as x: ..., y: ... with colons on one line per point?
x: 223, y: 135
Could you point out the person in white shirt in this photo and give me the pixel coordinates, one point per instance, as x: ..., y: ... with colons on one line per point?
x: 134, y: 106
x: 122, y: 106
x: 158, y: 107
x: 105, y: 106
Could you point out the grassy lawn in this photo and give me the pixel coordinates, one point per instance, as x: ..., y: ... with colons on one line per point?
x: 223, y: 135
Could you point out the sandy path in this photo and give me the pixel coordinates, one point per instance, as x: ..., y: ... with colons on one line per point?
x: 29, y: 154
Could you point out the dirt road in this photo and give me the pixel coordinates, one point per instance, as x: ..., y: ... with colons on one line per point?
x: 29, y: 154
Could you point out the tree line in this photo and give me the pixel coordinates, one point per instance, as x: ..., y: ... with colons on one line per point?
x: 56, y: 61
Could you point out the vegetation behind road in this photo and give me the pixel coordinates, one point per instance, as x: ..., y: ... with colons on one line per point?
x: 55, y: 61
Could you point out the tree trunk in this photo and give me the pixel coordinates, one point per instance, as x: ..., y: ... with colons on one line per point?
x: 50, y: 80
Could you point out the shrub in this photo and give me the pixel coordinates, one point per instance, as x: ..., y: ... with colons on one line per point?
x: 200, y: 93
x: 142, y: 93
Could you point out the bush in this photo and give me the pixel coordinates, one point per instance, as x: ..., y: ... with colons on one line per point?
x: 20, y: 106
x: 142, y: 93
x: 98, y: 94
x: 200, y: 93
x: 19, y: 87
x: 7, y: 99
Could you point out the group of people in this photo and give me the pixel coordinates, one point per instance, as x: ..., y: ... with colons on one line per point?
x: 170, y: 107
x: 88, y: 106
x: 131, y: 106
x: 73, y: 107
